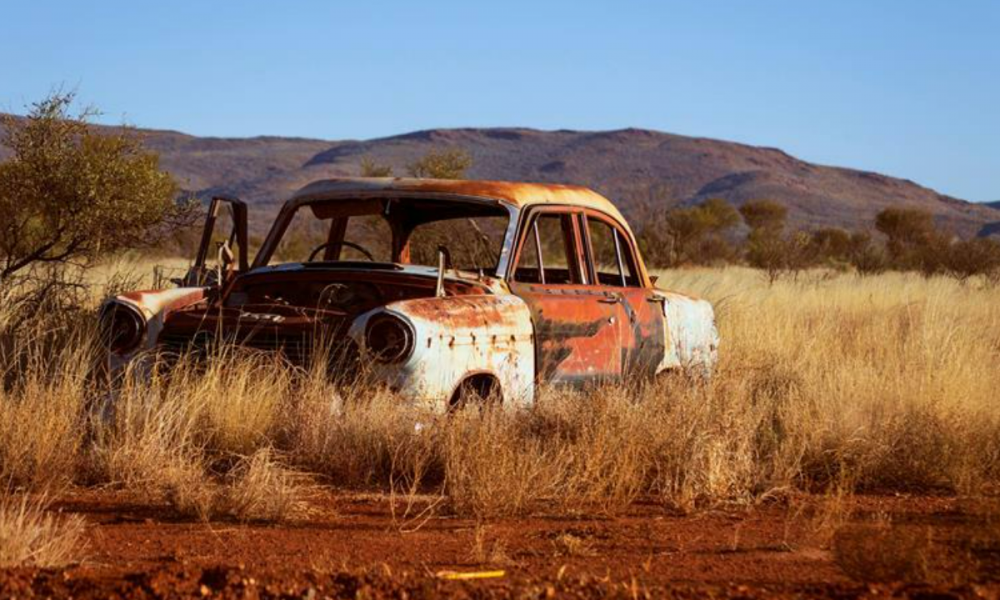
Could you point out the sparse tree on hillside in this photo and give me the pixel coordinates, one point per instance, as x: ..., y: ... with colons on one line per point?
x: 764, y: 216
x: 69, y: 193
x: 911, y: 237
x: 830, y: 245
x: 371, y: 168
x: 699, y: 232
x: 441, y: 164
x: 965, y: 259
x: 865, y: 256
x: 691, y: 235
x: 766, y: 248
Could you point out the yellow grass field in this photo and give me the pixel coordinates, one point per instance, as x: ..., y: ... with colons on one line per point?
x: 828, y: 384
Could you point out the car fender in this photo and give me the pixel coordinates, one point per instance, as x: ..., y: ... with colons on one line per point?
x: 152, y: 307
x: 456, y: 337
x: 692, y: 339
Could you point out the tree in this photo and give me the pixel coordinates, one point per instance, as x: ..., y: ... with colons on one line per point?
x: 830, y: 244
x: 969, y: 258
x: 865, y: 256
x: 912, y: 240
x: 69, y: 193
x: 905, y: 225
x: 370, y: 168
x: 695, y: 234
x: 441, y: 164
x: 764, y: 215
x: 767, y: 249
x: 699, y: 232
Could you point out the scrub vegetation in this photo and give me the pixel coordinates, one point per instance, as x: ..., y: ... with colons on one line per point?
x: 832, y: 383
x: 850, y: 367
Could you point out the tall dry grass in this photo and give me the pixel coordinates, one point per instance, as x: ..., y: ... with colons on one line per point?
x: 884, y: 383
x: 30, y: 534
x: 893, y: 378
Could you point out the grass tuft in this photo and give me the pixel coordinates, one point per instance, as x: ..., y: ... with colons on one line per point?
x: 31, y: 535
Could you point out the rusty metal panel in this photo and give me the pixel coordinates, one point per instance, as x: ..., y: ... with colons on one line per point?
x: 578, y: 334
x: 646, y: 333
x: 692, y: 338
x: 153, y: 307
x: 459, y: 336
x: 475, y: 325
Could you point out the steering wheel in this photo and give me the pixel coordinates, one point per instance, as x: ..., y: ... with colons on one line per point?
x: 357, y: 247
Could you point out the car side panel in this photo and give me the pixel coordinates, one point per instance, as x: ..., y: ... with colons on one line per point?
x: 692, y: 340
x: 456, y: 337
x: 647, y: 332
x: 577, y: 333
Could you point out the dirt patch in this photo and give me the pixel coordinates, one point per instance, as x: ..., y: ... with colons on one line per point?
x: 352, y: 547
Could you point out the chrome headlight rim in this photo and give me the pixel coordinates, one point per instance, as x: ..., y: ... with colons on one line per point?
x: 122, y: 328
x: 389, y: 339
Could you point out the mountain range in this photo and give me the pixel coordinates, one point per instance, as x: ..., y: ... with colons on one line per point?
x: 632, y: 167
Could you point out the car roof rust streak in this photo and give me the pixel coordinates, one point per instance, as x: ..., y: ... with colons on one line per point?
x: 519, y: 194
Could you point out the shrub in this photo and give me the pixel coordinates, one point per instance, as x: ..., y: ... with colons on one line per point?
x: 69, y: 193
x: 30, y: 535
x: 371, y: 168
x: 441, y: 164
x: 965, y: 259
x: 692, y: 235
x: 262, y: 489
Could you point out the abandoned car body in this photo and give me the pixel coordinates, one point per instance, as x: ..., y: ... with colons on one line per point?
x: 442, y: 287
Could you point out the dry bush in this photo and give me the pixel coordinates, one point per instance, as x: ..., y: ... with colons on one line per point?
x: 32, y: 535
x: 492, y: 469
x: 359, y: 436
x: 444, y: 163
x: 44, y: 386
x: 261, y: 489
x: 600, y: 443
x: 711, y: 446
x: 894, y: 377
x: 487, y: 549
x: 147, y: 438
x: 234, y: 396
x: 41, y: 431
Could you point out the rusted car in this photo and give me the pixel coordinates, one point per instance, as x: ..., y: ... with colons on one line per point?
x: 440, y: 289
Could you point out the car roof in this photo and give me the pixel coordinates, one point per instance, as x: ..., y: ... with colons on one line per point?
x: 518, y: 194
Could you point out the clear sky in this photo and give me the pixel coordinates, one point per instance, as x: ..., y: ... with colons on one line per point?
x: 910, y: 88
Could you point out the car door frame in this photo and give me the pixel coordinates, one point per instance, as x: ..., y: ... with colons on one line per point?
x: 644, y: 335
x: 575, y: 326
x: 198, y: 273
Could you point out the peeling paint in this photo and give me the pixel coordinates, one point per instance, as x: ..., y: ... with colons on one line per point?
x: 518, y: 335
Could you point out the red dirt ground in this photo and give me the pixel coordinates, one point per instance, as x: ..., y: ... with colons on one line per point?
x: 799, y: 547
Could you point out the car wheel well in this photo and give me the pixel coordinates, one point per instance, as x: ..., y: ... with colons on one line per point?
x: 477, y: 387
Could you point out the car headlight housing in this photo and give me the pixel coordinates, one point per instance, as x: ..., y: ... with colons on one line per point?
x: 122, y: 328
x: 389, y: 338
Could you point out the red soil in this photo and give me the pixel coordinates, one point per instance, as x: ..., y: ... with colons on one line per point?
x: 355, y: 548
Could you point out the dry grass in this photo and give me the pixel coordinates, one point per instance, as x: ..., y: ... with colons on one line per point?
x: 41, y: 431
x: 488, y: 549
x: 571, y: 544
x: 893, y: 377
x: 262, y: 489
x: 884, y: 383
x: 32, y: 535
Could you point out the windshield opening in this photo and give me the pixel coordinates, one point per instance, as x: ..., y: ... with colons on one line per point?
x: 398, y: 230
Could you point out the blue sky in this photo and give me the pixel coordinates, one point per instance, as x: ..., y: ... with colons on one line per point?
x: 907, y: 88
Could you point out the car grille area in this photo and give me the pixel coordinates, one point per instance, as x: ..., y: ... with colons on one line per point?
x: 296, y: 348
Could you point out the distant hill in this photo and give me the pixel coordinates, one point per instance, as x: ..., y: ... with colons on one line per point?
x: 630, y: 166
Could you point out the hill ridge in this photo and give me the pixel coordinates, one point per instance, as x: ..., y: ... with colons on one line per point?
x: 632, y: 166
